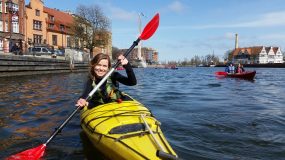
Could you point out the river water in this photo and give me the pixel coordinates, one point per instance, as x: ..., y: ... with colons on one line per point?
x: 202, y: 116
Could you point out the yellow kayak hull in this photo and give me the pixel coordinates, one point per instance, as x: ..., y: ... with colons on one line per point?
x: 119, y: 132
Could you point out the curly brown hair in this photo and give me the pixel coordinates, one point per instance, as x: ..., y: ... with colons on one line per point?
x: 95, y: 61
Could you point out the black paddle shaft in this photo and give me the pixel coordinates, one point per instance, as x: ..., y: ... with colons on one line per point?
x: 62, y: 125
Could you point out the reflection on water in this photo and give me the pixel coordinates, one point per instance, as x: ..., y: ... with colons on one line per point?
x: 31, y: 106
x: 203, y: 117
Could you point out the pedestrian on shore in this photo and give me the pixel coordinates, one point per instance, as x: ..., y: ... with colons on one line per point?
x: 109, y: 91
x: 15, y: 49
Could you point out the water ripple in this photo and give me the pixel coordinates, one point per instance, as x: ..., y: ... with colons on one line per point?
x: 202, y: 116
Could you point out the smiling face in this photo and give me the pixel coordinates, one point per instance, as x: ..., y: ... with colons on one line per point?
x: 101, y: 68
x: 100, y: 65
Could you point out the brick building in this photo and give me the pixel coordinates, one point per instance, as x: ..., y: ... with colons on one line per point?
x: 12, y: 20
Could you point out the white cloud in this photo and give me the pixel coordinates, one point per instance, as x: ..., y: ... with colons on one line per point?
x: 176, y: 6
x: 230, y: 35
x: 120, y: 14
x: 273, y: 19
x: 269, y: 19
x: 273, y: 37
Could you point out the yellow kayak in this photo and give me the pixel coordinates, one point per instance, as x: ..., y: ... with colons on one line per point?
x: 125, y: 130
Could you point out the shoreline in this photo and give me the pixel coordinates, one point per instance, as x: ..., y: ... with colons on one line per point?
x: 19, y: 65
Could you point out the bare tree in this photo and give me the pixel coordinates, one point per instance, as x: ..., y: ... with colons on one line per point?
x: 92, y: 27
x: 115, y: 52
x: 228, y: 55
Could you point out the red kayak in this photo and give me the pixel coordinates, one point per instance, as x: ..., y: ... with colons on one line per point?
x: 120, y: 68
x: 248, y: 75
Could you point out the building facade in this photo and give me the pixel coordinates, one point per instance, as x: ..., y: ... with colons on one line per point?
x: 150, y: 55
x: 12, y: 20
x: 36, y: 25
x: 59, y: 34
x: 50, y: 27
x: 257, y: 55
x: 36, y: 33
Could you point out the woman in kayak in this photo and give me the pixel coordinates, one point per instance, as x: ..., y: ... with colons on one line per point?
x: 239, y: 68
x: 108, y: 92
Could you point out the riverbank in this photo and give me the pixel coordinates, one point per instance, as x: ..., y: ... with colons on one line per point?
x: 18, y: 65
x: 270, y: 65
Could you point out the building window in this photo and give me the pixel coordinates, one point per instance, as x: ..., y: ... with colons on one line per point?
x: 37, y: 25
x: 76, y: 42
x: 37, y: 12
x: 50, y: 25
x: 15, y: 27
x: 6, y: 7
x: 38, y: 39
x: 54, y: 40
x: 62, y: 27
x: 51, y: 18
x: 1, y: 26
x: 6, y: 26
x: 1, y: 45
x: 68, y: 39
x: 1, y: 7
x: 15, y: 7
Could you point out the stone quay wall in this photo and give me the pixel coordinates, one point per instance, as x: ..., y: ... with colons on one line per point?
x: 18, y: 65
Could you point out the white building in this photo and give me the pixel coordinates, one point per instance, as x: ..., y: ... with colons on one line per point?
x: 257, y: 55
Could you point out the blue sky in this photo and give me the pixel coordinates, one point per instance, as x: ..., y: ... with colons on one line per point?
x: 192, y: 27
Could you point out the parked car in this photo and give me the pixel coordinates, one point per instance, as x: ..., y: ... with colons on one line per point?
x: 40, y: 51
x: 59, y: 52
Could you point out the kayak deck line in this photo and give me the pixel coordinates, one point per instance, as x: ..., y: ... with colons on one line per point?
x: 107, y: 111
x: 140, y: 134
x: 115, y: 115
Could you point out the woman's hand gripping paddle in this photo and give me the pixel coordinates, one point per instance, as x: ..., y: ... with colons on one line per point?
x: 38, y: 152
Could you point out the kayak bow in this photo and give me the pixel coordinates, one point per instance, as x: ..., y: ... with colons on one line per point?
x: 125, y: 130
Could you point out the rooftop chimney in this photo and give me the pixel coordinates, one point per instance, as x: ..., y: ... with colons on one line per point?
x: 236, y: 42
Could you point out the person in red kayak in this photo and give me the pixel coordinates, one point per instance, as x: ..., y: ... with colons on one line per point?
x: 239, y: 68
x: 108, y: 92
x: 230, y: 69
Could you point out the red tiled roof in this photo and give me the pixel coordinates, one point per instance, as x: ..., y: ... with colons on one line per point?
x: 275, y: 49
x: 267, y: 49
x: 59, y: 18
x: 250, y: 50
x: 253, y: 50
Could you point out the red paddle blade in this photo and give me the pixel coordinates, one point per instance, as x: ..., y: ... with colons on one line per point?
x: 150, y: 28
x: 30, y: 154
x: 221, y: 73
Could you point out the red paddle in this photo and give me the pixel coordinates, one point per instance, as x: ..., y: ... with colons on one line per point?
x: 30, y: 154
x: 37, y: 152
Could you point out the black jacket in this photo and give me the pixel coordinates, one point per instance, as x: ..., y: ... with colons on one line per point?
x: 116, y: 77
